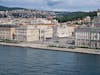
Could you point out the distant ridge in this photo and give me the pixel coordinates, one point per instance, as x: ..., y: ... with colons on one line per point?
x: 28, y: 13
x: 3, y: 8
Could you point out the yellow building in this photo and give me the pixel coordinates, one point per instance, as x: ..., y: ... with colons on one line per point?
x: 27, y: 33
x: 7, y: 32
x: 45, y: 31
x: 71, y: 29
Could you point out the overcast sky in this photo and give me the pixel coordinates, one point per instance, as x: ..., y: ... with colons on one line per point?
x: 56, y: 5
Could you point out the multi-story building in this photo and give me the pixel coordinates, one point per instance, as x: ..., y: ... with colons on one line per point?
x: 88, y: 37
x: 64, y: 30
x: 87, y: 19
x: 27, y: 33
x: 45, y: 30
x: 7, y: 31
x: 71, y: 29
x: 96, y: 20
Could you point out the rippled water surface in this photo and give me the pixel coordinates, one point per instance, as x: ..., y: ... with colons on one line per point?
x: 27, y: 61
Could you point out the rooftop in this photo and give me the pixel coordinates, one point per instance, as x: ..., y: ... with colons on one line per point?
x: 88, y: 29
x: 8, y: 25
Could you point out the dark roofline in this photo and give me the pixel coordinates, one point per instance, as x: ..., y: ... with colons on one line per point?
x: 88, y: 29
x: 8, y: 25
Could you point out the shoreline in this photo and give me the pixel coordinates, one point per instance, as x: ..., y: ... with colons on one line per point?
x: 44, y: 47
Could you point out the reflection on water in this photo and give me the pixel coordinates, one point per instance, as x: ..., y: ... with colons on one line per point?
x: 26, y: 61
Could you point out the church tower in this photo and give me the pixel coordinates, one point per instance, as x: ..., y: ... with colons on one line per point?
x: 98, y: 12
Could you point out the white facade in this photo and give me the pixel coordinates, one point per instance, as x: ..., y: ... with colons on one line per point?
x: 62, y: 30
x: 88, y: 37
x: 98, y: 13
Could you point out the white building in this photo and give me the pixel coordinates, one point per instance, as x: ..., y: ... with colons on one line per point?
x: 88, y: 37
x: 96, y: 20
x: 62, y: 30
x: 98, y: 13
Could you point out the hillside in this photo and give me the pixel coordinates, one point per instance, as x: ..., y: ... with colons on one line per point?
x: 3, y: 8
x: 61, y: 16
x: 75, y: 16
x: 25, y: 13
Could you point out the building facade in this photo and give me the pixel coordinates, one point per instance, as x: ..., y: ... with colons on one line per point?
x: 98, y: 12
x: 27, y: 33
x: 96, y: 20
x: 45, y: 30
x: 87, y: 37
x: 7, y: 31
x: 62, y: 30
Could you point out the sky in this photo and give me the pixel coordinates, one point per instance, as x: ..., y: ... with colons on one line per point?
x: 54, y: 5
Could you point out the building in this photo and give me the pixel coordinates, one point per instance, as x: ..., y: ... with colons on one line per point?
x: 54, y: 35
x: 87, y: 19
x: 71, y: 29
x: 27, y: 33
x: 7, y: 31
x: 98, y: 12
x: 87, y: 37
x: 62, y: 30
x: 96, y: 20
x: 45, y: 30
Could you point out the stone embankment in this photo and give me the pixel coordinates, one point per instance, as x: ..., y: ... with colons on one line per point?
x: 45, y: 47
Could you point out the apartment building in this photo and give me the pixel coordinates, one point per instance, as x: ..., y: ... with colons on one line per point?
x: 27, y: 33
x: 7, y: 31
x: 88, y: 37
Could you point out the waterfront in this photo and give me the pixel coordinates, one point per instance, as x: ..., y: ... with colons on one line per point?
x: 27, y: 61
x: 46, y: 47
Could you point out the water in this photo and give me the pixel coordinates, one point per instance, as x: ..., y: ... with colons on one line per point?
x: 26, y: 61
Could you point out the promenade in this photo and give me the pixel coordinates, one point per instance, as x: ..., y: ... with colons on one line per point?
x: 45, y: 47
